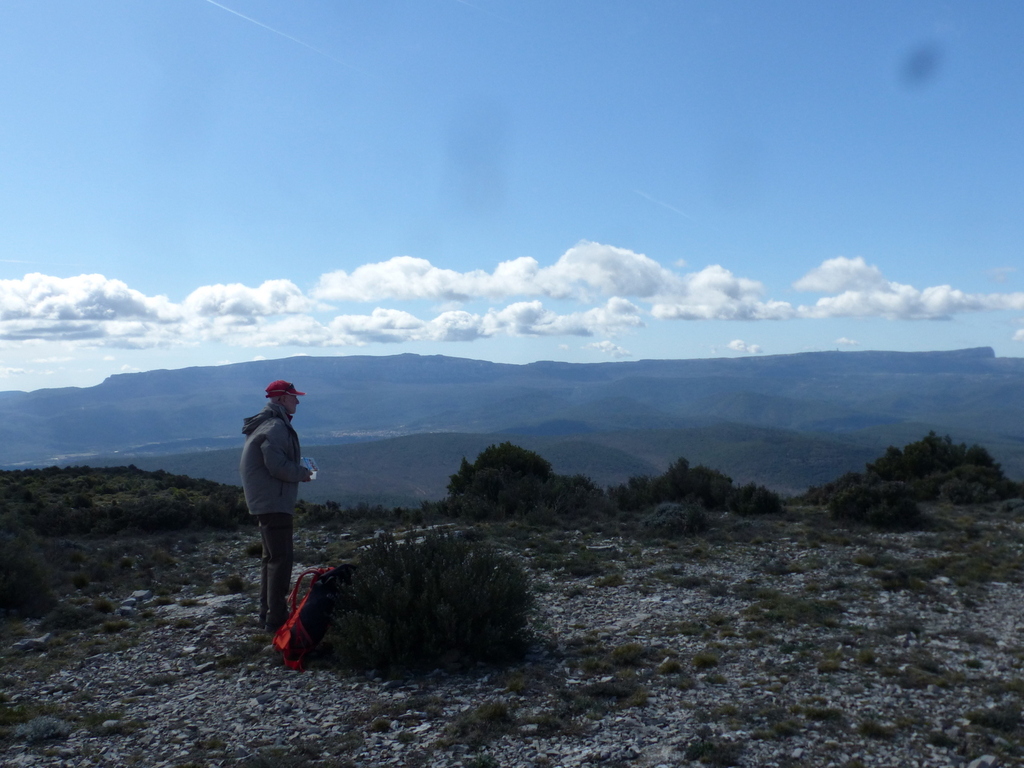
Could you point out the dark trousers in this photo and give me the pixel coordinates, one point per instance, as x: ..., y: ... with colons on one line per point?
x: 276, y: 573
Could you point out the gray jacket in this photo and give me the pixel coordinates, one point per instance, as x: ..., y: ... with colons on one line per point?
x: 270, y: 466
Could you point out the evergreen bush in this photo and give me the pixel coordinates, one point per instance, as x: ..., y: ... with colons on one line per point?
x: 24, y: 577
x: 823, y: 494
x: 419, y: 602
x: 509, y: 481
x: 68, y: 501
x: 680, y: 482
x: 43, y: 728
x: 636, y: 493
x: 753, y: 499
x: 878, y: 503
x: 885, y: 494
x: 496, y: 459
x: 671, y: 519
x: 937, y: 467
x: 695, y: 485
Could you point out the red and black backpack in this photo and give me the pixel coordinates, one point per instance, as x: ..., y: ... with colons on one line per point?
x: 307, y: 624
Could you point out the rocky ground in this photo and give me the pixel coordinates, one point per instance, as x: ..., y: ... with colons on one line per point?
x: 767, y: 643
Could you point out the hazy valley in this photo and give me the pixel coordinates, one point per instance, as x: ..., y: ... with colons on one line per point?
x: 391, y: 429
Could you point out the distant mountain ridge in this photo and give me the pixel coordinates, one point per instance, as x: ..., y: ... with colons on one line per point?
x: 850, y: 399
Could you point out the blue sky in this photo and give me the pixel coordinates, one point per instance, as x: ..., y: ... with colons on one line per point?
x: 188, y: 182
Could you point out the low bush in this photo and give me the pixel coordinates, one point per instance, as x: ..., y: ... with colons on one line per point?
x: 507, y: 481
x: 24, y: 578
x: 42, y: 728
x: 937, y: 467
x: 66, y: 616
x: 886, y: 493
x: 701, y: 485
x: 878, y: 503
x: 419, y: 603
x: 495, y: 460
x: 752, y: 499
x: 69, y: 501
x: 709, y: 488
x: 671, y: 519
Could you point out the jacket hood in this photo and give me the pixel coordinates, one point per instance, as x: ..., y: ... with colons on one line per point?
x: 270, y: 411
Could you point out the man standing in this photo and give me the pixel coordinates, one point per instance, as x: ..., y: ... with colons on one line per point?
x: 271, y: 469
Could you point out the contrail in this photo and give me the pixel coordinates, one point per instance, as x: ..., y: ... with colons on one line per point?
x: 664, y: 205
x: 282, y: 34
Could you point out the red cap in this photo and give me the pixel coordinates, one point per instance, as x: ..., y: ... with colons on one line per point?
x: 282, y: 387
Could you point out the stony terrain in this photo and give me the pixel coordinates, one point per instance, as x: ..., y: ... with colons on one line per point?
x: 767, y: 643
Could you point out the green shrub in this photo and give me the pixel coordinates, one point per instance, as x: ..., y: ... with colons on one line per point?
x: 495, y: 460
x: 66, y: 616
x: 103, y: 500
x: 823, y: 494
x: 752, y: 499
x: 1005, y: 718
x: 415, y: 603
x: 708, y: 487
x: 881, y: 504
x: 509, y: 481
x: 636, y: 493
x: 671, y: 519
x: 701, y: 485
x: 937, y: 467
x: 42, y: 728
x: 24, y: 577
x: 929, y: 456
x: 932, y: 468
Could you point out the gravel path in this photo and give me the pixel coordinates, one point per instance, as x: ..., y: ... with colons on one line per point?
x: 768, y: 650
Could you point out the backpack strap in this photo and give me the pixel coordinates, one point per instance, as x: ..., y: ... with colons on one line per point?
x: 316, y: 573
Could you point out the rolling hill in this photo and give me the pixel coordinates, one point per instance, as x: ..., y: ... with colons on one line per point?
x: 396, y: 427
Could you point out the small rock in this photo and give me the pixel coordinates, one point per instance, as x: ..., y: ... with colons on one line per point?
x: 33, y: 643
x: 986, y: 761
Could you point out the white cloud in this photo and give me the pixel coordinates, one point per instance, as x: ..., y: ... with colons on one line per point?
x: 618, y: 292
x: 864, y: 292
x: 274, y: 297
x: 608, y: 270
x: 841, y: 274
x: 609, y: 348
x: 6, y: 373
x: 42, y: 298
x: 738, y: 345
x: 585, y: 270
x: 1019, y: 335
x: 86, y: 309
x: 847, y: 342
x: 404, y: 278
x: 715, y: 293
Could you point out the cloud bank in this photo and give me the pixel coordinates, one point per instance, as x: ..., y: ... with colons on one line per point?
x: 617, y: 291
